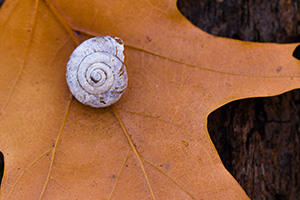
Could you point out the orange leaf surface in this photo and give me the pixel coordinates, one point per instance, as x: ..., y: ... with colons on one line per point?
x: 153, y: 143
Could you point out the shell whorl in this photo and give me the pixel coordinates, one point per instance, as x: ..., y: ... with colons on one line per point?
x: 96, y: 74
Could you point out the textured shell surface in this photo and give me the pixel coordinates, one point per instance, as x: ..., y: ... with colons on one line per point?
x: 96, y: 74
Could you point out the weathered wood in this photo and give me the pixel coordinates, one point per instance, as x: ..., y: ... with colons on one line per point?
x: 257, y: 139
x: 250, y: 20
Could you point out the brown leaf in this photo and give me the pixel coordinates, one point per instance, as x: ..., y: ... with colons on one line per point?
x: 152, y: 144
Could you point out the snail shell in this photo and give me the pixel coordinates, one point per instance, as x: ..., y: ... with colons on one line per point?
x: 96, y: 74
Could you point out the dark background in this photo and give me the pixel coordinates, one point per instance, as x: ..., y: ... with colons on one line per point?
x: 257, y: 139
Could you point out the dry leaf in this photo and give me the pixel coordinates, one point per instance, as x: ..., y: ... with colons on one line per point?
x: 152, y: 144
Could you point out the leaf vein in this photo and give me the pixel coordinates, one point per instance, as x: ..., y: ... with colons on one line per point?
x: 172, y: 179
x: 26, y: 169
x: 25, y: 57
x: 174, y: 124
x: 204, y: 68
x: 119, y: 174
x: 63, y: 22
x: 136, y: 153
x: 55, y: 146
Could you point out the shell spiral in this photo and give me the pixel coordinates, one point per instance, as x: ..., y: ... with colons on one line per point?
x: 96, y: 74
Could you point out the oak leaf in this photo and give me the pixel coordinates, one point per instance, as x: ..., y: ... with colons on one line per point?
x: 153, y: 143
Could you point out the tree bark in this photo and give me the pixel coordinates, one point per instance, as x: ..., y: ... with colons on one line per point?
x: 257, y: 139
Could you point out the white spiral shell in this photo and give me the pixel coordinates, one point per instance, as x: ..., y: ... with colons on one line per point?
x: 96, y: 74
